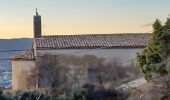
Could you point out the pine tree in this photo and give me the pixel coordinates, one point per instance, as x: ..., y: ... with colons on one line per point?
x: 156, y: 56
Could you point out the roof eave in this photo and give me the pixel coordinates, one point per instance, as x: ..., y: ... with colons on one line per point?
x: 115, y: 47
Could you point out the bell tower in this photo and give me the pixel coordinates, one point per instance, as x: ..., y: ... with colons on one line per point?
x: 37, y: 25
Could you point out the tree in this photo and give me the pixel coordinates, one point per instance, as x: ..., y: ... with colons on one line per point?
x: 48, y: 74
x: 107, y: 74
x: 155, y: 59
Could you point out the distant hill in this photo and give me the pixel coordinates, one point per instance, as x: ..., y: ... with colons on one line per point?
x: 12, y: 44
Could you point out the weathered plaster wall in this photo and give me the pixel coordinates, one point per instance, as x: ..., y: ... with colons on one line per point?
x: 78, y: 61
x: 20, y: 71
x: 124, y: 55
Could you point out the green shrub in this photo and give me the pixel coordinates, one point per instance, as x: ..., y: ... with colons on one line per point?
x: 64, y: 97
x: 1, y: 91
x: 79, y: 94
x: 154, y: 58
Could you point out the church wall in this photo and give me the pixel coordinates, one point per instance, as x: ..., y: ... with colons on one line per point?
x: 79, y: 61
x: 125, y: 56
x: 20, y: 71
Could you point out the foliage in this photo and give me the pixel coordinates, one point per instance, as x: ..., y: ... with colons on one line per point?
x: 28, y: 96
x: 79, y: 94
x: 87, y: 92
x: 155, y: 57
x: 4, y: 97
x: 112, y: 73
x: 64, y: 97
x: 53, y: 75
x: 90, y: 92
x: 47, y: 74
x: 1, y: 91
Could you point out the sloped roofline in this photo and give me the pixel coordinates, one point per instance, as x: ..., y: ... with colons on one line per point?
x: 93, y: 41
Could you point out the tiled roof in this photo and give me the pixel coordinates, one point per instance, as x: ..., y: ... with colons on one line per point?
x: 127, y: 40
x: 25, y: 55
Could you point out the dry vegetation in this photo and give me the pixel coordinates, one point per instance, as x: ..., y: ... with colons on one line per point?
x: 63, y: 73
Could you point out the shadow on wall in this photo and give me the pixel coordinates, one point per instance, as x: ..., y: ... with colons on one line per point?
x: 67, y: 72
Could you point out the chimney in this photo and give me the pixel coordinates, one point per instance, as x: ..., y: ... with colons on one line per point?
x: 37, y: 25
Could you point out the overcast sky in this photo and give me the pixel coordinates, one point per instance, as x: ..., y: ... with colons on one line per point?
x: 80, y: 16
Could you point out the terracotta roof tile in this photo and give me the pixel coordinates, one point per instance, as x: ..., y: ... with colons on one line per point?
x: 93, y: 41
x: 24, y: 55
